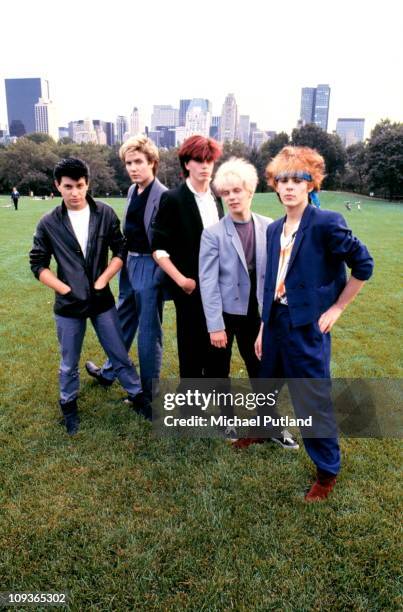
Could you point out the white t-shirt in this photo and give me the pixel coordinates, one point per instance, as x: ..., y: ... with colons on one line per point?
x: 80, y: 220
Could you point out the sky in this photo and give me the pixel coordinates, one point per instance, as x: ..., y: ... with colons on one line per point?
x: 103, y: 59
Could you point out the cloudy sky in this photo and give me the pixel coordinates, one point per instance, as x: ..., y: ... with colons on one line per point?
x: 101, y: 60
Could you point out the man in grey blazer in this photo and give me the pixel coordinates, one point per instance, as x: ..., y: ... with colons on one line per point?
x: 140, y: 284
x: 232, y: 267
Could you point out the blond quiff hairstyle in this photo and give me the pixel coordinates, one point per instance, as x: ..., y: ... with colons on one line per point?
x: 141, y: 144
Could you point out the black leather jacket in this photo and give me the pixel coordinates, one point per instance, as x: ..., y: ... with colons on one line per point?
x: 54, y: 236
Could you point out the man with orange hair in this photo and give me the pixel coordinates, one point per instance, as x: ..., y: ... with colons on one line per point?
x: 183, y: 214
x: 306, y: 291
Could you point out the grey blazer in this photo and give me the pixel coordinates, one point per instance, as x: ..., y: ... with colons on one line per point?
x: 223, y: 273
x: 152, y: 206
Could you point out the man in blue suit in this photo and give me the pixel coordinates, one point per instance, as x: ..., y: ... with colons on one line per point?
x: 306, y: 291
x: 141, y: 280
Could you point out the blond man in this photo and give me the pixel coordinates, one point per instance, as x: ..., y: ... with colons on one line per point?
x: 140, y: 284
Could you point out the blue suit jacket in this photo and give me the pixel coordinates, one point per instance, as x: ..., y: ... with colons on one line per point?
x: 316, y: 273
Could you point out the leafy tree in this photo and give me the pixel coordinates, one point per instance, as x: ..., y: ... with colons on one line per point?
x: 267, y: 151
x: 328, y: 145
x: 28, y: 166
x: 65, y: 140
x: 233, y: 149
x: 40, y: 138
x: 385, y: 158
x: 355, y: 177
x: 101, y: 173
x: 121, y: 177
x: 170, y: 171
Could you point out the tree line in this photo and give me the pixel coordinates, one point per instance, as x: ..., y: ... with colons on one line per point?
x: 374, y: 166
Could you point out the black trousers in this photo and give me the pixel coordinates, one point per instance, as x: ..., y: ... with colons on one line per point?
x: 15, y: 201
x: 197, y: 357
x: 245, y: 329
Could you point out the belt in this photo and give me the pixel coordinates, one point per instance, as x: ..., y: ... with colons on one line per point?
x: 134, y: 254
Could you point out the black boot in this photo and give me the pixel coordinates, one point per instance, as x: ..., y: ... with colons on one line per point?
x: 70, y: 415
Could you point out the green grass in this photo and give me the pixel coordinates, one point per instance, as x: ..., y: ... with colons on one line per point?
x: 128, y: 521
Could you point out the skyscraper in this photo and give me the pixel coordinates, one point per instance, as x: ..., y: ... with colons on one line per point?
x: 21, y: 97
x: 134, y: 122
x: 183, y: 106
x: 82, y: 131
x: 307, y: 112
x: 229, y: 119
x: 164, y: 114
x: 122, y: 126
x: 215, y: 127
x: 198, y: 118
x: 350, y: 131
x: 315, y: 105
x: 322, y: 100
x: 46, y: 119
x: 244, y: 128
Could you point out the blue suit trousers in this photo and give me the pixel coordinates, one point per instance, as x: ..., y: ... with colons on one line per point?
x: 139, y: 308
x: 303, y: 353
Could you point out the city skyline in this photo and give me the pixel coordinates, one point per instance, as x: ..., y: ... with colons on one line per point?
x: 261, y: 61
x: 169, y: 125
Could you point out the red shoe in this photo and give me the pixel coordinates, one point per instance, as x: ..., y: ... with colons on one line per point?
x: 319, y: 492
x: 245, y: 442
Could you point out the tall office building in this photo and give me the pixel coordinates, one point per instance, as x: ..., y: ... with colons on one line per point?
x: 83, y: 131
x: 134, y: 122
x: 350, y: 131
x: 252, y: 129
x: 21, y: 97
x: 164, y: 114
x: 100, y: 131
x: 167, y: 136
x: 307, y: 112
x: 46, y: 118
x: 122, y: 127
x: 215, y: 127
x: 198, y: 118
x: 315, y: 106
x: 322, y: 100
x: 244, y: 128
x: 229, y: 119
x: 183, y: 107
x: 259, y: 137
x: 110, y: 133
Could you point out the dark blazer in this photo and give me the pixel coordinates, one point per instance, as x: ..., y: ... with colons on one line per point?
x: 316, y: 273
x: 54, y: 236
x: 178, y: 228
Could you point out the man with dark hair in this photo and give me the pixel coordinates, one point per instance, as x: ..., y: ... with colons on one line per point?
x: 15, y: 196
x: 184, y: 213
x: 79, y: 234
x: 141, y: 280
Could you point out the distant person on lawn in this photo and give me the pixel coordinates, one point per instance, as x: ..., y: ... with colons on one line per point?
x: 15, y: 196
x: 79, y: 234
x: 306, y: 291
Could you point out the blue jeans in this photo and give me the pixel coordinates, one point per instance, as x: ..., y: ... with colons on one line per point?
x: 140, y: 308
x: 70, y: 333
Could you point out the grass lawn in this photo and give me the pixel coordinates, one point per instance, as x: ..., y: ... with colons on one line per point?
x: 127, y: 521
